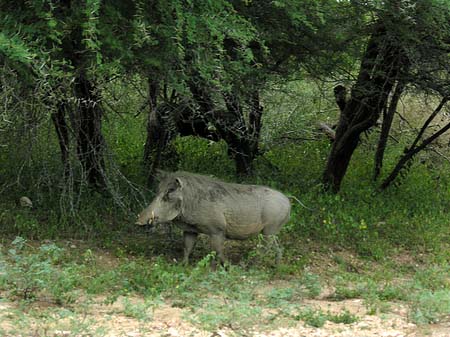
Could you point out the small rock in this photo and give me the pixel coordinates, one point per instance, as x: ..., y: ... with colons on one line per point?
x: 173, y: 332
x: 25, y: 202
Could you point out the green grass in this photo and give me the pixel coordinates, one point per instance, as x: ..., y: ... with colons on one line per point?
x: 430, y: 306
x: 140, y: 311
x: 317, y: 318
x: 426, y: 291
x: 69, y: 278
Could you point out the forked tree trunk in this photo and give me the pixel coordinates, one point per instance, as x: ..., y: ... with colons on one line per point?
x: 379, y: 70
x: 231, y: 126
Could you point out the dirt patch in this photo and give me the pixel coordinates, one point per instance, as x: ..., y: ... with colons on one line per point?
x: 5, y: 324
x: 435, y: 330
x: 113, y: 320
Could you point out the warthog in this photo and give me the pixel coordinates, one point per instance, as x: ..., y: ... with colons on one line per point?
x: 201, y: 204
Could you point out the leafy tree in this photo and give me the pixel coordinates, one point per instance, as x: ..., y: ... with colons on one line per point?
x: 401, y: 50
x: 227, y: 53
x: 63, y: 40
x: 200, y: 53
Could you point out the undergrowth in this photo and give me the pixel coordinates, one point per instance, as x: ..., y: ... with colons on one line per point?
x: 68, y: 276
x: 412, y: 216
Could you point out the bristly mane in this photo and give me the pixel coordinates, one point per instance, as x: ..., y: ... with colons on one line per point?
x: 198, y: 187
x: 196, y: 179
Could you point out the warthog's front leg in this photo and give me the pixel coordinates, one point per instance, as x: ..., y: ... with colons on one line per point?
x: 189, y: 242
x: 217, y: 242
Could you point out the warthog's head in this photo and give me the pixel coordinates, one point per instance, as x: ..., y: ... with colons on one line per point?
x: 167, y: 204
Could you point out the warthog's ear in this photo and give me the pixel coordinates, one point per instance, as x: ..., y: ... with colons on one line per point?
x: 174, y: 190
x: 179, y: 182
x: 175, y: 185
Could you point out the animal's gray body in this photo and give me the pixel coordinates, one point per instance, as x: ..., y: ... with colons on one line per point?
x: 201, y: 204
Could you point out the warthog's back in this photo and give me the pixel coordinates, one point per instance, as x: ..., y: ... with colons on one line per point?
x: 238, y: 210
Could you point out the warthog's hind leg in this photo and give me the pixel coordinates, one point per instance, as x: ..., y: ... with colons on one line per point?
x: 274, y: 244
x: 189, y: 242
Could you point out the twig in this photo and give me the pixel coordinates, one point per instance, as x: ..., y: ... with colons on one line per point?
x: 297, y: 138
x: 439, y: 154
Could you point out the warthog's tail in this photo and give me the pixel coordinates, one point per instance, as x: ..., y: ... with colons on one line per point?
x: 292, y: 197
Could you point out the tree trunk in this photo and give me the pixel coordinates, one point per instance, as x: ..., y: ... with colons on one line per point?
x: 234, y: 131
x: 388, y: 117
x: 255, y: 122
x: 62, y: 131
x: 338, y: 162
x: 90, y: 142
x: 379, y: 70
x: 86, y: 118
x: 340, y: 95
x: 156, y: 133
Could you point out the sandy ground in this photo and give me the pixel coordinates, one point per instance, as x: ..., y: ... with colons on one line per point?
x: 110, y: 320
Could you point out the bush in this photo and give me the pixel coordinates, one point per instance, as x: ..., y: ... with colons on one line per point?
x: 32, y: 274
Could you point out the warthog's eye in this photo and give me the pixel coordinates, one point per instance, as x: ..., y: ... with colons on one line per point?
x: 167, y: 195
x: 170, y: 190
x: 173, y: 187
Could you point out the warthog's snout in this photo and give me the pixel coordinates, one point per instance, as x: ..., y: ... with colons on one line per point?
x: 148, y: 221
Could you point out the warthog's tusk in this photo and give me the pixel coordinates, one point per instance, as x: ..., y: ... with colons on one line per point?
x: 153, y: 216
